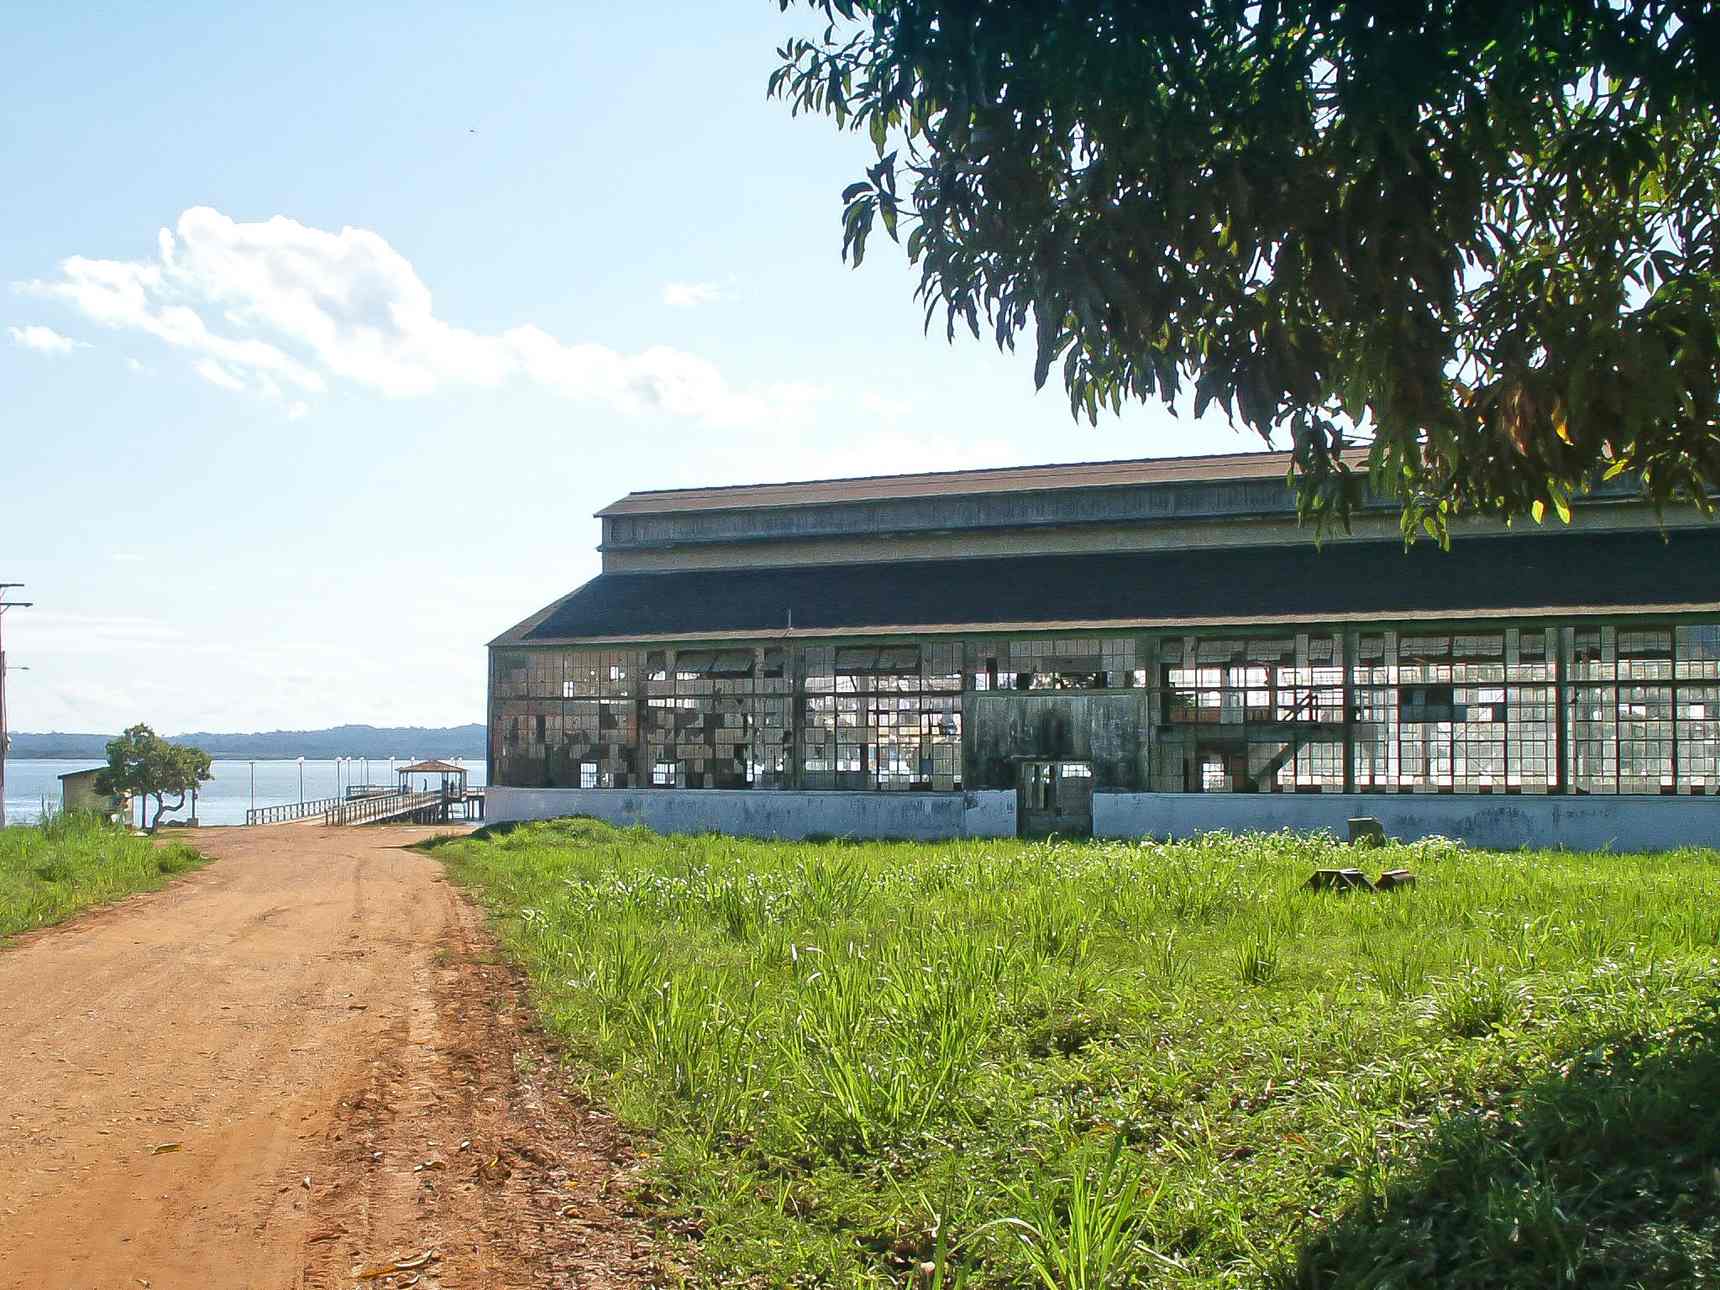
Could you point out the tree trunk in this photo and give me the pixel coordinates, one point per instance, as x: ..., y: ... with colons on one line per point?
x: 161, y: 809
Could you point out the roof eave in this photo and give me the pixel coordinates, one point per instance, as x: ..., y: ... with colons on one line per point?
x: 515, y: 634
x: 1243, y: 465
x: 1159, y: 623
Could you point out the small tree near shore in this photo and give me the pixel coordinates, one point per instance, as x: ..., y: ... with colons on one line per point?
x: 142, y: 762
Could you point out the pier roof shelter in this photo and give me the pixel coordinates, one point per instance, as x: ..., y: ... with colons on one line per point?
x: 448, y: 771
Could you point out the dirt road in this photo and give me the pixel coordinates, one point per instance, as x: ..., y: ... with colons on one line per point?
x: 290, y: 1067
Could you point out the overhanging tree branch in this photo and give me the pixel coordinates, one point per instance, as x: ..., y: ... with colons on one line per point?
x: 1479, y: 238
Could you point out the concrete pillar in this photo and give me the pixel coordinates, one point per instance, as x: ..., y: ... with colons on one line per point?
x: 1562, y: 712
x: 1348, y: 646
x: 1148, y: 656
x: 794, y: 665
x: 641, y: 715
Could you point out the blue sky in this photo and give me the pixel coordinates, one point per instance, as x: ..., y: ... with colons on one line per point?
x: 433, y: 289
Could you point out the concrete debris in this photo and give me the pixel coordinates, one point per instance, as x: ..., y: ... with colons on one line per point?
x: 1340, y: 880
x: 1343, y: 880
x: 1365, y: 831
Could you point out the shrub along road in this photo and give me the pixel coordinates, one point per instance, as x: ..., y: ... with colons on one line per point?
x: 294, y: 1066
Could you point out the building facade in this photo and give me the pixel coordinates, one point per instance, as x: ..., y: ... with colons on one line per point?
x: 1125, y: 648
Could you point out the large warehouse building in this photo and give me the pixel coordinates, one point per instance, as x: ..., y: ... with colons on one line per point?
x: 1126, y: 648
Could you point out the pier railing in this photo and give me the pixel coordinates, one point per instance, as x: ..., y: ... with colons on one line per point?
x: 291, y: 811
x: 366, y: 810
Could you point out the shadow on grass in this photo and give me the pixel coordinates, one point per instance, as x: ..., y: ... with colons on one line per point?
x: 498, y: 831
x: 588, y: 828
x: 1604, y: 1174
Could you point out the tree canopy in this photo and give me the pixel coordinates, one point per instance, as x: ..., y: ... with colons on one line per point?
x: 142, y: 762
x: 1477, y: 237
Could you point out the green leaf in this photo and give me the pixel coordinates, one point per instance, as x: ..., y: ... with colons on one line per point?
x: 1050, y: 331
x: 1464, y: 213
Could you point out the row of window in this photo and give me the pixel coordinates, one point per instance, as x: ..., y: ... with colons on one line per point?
x: 1476, y: 711
x: 940, y: 667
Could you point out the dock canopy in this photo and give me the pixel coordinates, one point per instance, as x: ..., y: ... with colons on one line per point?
x: 453, y: 777
x: 433, y: 767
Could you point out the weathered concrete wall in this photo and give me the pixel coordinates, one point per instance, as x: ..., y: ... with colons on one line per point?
x: 943, y: 542
x: 1070, y: 725
x: 1582, y: 823
x: 1182, y: 513
x: 768, y: 814
x: 989, y: 813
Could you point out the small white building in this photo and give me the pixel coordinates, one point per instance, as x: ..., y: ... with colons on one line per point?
x: 78, y: 792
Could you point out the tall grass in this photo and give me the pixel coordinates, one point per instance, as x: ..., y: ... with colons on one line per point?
x: 1004, y: 1064
x: 51, y: 870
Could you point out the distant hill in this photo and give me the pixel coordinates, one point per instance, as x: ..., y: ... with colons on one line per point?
x: 339, y: 741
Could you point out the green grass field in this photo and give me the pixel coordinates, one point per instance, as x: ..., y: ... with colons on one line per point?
x: 52, y: 870
x: 1006, y: 1064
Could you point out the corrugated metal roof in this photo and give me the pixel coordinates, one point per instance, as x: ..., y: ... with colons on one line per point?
x: 1602, y: 572
x: 958, y: 483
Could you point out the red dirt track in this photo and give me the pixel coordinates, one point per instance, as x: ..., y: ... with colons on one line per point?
x: 320, y: 1022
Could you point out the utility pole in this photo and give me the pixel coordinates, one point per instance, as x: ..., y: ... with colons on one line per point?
x: 5, y: 739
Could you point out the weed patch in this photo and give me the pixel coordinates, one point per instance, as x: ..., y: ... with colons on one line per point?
x: 50, y: 871
x: 1009, y: 1064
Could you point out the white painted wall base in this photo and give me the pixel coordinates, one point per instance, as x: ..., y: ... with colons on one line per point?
x: 1501, y: 823
x: 1582, y: 823
x: 768, y: 813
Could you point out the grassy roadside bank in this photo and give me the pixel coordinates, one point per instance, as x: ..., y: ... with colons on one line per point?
x: 1118, y: 1064
x: 50, y: 871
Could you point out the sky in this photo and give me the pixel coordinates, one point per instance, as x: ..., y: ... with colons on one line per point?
x: 324, y: 330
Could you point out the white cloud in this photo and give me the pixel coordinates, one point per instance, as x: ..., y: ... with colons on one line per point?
x: 297, y: 410
x: 78, y: 633
x: 690, y: 295
x: 44, y: 340
x: 881, y: 409
x: 134, y: 365
x: 278, y: 305
x: 215, y: 374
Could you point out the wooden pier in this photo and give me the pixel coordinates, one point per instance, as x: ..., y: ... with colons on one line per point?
x: 435, y: 803
x: 290, y: 811
x: 430, y: 806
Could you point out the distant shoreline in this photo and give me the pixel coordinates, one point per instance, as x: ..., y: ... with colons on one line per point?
x: 374, y: 742
x: 477, y: 754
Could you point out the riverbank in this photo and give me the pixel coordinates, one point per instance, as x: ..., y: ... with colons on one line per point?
x: 33, y: 784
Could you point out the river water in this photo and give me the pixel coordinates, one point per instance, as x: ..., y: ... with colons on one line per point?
x: 34, y: 784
